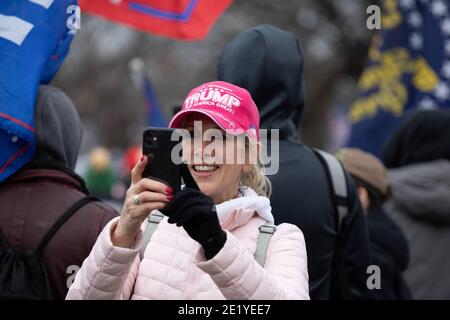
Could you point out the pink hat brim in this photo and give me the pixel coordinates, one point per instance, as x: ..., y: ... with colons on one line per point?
x: 177, y: 121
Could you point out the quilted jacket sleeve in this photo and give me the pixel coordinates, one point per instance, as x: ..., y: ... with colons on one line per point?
x: 108, y: 272
x: 240, y: 277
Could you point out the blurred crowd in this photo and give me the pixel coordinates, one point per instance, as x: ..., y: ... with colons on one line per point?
x: 107, y: 172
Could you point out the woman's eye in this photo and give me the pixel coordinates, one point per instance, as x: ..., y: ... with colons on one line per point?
x: 222, y: 137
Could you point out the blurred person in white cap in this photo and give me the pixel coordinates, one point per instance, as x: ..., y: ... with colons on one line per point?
x: 100, y: 176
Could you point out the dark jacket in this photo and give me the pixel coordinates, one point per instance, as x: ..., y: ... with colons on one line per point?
x: 269, y: 63
x: 390, y: 253
x: 36, y: 196
x: 32, y: 200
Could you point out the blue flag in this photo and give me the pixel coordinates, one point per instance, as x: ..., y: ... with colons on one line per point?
x: 35, y: 36
x: 409, y: 69
x: 155, y: 116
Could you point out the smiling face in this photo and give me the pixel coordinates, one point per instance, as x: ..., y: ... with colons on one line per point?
x: 220, y: 178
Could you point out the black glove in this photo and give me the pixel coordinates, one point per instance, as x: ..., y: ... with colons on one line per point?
x: 196, y: 213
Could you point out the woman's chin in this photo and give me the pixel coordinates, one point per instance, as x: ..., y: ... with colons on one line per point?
x: 206, y: 188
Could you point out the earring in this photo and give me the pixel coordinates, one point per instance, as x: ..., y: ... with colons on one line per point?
x: 241, y: 189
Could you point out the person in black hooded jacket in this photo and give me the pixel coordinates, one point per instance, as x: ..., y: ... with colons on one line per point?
x: 268, y: 62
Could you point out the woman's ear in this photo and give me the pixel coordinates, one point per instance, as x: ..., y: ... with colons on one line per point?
x: 364, y: 199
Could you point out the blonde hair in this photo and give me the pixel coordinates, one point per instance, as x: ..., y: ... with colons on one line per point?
x: 255, y: 177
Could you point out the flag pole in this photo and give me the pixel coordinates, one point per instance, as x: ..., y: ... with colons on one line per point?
x: 136, y: 68
x: 140, y: 78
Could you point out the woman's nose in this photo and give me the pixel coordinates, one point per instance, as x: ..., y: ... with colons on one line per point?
x: 197, y: 155
x: 201, y: 151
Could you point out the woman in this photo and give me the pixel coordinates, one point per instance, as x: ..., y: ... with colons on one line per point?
x: 204, y: 248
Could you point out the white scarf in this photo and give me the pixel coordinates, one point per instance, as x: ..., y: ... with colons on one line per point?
x: 250, y: 202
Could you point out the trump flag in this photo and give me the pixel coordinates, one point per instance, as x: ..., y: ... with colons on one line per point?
x: 34, y: 40
x: 178, y: 19
x: 409, y: 69
x: 155, y: 116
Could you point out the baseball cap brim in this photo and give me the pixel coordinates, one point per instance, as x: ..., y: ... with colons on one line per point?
x: 177, y: 121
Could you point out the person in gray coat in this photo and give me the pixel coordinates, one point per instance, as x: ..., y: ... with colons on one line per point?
x: 418, y: 156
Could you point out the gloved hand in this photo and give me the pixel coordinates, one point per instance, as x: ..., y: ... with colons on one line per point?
x: 196, y: 213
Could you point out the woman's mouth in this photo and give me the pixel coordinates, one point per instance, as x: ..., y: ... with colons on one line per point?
x: 204, y: 170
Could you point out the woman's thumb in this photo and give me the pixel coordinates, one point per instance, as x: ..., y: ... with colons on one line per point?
x: 187, y: 177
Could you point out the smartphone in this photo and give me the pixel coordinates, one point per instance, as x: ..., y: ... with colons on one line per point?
x: 157, y: 146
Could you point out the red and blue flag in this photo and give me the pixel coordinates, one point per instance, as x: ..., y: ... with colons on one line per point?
x: 179, y: 19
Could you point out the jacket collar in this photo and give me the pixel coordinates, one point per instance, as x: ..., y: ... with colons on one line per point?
x: 53, y: 174
x: 236, y: 212
x: 422, y: 190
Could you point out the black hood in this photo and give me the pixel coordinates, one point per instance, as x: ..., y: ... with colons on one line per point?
x: 58, y: 130
x: 268, y: 62
x: 421, y: 137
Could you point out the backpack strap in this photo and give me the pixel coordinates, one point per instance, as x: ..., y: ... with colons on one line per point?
x: 74, y: 208
x: 266, y: 232
x: 153, y: 221
x: 3, y: 242
x: 336, y: 175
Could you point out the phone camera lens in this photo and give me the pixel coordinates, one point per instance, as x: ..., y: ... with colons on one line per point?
x: 151, y: 141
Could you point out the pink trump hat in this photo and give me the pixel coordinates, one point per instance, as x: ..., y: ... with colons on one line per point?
x: 229, y: 106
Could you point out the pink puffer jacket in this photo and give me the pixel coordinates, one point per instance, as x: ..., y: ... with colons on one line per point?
x: 174, y: 266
